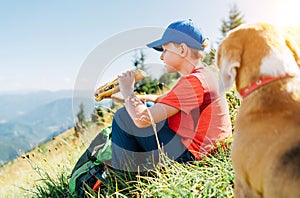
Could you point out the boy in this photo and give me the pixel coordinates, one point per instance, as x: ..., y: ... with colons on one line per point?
x: 189, y: 119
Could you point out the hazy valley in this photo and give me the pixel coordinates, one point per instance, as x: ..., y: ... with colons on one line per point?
x: 28, y: 119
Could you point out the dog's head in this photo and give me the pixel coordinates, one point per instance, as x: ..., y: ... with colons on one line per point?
x: 254, y: 50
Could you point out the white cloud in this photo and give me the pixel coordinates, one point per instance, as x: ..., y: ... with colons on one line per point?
x: 3, y: 121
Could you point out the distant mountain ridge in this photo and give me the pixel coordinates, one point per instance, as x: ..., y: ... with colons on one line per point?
x: 14, y: 104
x: 46, y: 114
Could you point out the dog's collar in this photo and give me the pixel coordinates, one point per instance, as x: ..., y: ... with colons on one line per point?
x: 259, y: 83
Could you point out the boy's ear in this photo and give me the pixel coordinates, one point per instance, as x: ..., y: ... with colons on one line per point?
x: 183, y: 49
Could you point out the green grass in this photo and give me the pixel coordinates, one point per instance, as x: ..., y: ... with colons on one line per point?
x: 48, y: 183
x: 210, y: 177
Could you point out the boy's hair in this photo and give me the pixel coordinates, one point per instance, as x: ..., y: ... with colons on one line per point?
x: 197, y: 53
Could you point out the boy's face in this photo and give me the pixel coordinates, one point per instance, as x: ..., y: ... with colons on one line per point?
x: 171, y: 57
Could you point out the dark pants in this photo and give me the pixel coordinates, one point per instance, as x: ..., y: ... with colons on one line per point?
x: 136, y: 148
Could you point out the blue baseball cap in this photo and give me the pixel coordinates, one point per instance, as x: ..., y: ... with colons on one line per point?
x: 180, y: 32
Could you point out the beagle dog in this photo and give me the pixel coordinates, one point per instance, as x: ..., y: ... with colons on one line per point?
x: 264, y: 62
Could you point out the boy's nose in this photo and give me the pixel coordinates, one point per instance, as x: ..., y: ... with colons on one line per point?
x: 161, y: 56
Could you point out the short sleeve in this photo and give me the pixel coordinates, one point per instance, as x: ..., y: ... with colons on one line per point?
x: 186, y: 95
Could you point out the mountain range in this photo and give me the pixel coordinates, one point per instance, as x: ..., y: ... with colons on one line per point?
x: 28, y: 119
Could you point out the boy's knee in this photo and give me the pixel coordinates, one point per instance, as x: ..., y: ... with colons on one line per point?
x: 122, y: 118
x: 120, y: 113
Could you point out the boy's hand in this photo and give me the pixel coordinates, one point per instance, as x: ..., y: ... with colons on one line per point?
x: 117, y: 97
x: 126, y: 83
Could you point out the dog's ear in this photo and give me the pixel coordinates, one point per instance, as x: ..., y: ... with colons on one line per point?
x: 291, y: 44
x: 228, y: 60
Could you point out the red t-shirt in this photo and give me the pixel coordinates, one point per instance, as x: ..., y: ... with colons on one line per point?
x: 204, y: 117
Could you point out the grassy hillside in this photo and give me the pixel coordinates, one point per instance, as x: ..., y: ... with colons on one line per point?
x: 53, y: 158
x: 43, y: 171
x: 50, y: 161
x: 38, y: 125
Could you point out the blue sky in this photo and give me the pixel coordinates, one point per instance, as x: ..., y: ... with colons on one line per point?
x: 43, y: 44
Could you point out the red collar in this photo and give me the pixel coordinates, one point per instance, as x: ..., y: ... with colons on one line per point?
x: 259, y: 83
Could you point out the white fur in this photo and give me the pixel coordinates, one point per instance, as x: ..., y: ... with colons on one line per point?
x: 279, y: 62
x: 227, y: 74
x: 293, y: 88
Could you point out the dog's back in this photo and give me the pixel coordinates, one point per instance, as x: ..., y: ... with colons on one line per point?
x: 284, y: 178
x: 266, y: 149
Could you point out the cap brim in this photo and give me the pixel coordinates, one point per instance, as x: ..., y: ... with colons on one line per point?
x: 157, y: 45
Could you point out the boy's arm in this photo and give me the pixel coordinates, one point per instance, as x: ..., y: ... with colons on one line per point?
x: 139, y: 112
x: 147, y: 97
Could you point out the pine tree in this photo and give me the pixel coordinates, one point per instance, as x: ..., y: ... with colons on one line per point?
x: 234, y: 20
x: 146, y: 85
x: 139, y: 61
x: 81, y: 121
x: 210, y: 57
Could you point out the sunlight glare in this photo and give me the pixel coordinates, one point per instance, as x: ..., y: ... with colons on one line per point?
x: 286, y: 12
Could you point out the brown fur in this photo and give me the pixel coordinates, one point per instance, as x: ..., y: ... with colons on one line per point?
x: 266, y: 147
